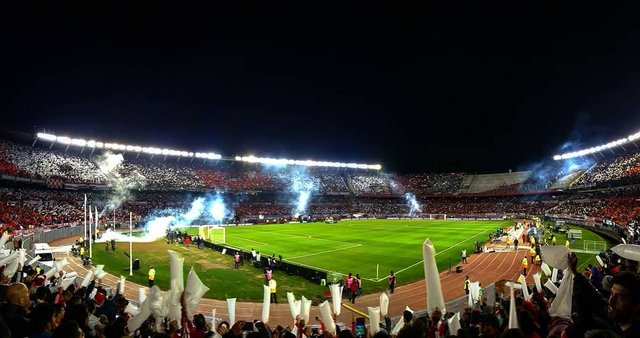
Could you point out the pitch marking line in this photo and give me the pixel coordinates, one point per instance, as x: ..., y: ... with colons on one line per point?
x: 439, y: 252
x: 328, y: 251
x: 306, y: 236
x: 249, y: 240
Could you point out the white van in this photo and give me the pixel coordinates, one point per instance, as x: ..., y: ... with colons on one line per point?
x: 44, y: 251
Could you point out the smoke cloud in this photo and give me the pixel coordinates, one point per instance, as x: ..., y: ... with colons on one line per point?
x: 412, y: 204
x: 109, y: 165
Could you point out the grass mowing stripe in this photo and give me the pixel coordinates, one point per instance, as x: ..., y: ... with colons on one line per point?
x: 370, y: 247
x: 249, y: 240
x: 438, y: 253
x: 306, y: 236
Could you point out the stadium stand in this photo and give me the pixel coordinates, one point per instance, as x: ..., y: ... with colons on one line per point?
x: 44, y: 188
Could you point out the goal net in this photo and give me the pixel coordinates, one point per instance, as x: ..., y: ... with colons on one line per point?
x: 213, y: 233
x: 594, y: 246
x: 438, y: 216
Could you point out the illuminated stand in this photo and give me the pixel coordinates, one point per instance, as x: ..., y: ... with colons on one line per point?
x: 613, y: 144
x: 95, y: 144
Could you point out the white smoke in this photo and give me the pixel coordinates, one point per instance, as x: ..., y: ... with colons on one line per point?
x: 168, y: 219
x: 219, y: 210
x: 412, y: 204
x: 304, y: 186
x: 109, y: 164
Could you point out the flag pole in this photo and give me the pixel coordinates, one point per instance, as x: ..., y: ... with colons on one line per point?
x: 97, y: 216
x: 84, y: 234
x: 95, y: 233
x: 89, y: 240
x: 130, y: 244
x: 90, y: 222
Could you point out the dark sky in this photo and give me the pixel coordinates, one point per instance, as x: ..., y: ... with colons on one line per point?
x: 415, y: 89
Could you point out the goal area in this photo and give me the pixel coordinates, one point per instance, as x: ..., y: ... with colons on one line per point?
x: 213, y: 233
x: 595, y: 246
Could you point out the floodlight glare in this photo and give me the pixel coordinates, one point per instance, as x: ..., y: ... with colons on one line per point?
x: 251, y: 158
x: 47, y: 137
x: 599, y: 148
x: 63, y: 140
x: 78, y: 142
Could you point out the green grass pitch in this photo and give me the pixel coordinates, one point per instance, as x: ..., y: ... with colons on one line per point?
x: 369, y: 247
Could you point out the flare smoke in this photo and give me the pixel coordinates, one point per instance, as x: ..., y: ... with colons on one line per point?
x: 412, y: 204
x: 109, y: 164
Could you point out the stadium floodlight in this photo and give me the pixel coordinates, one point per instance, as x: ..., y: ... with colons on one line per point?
x: 213, y: 156
x: 47, y: 137
x: 154, y: 151
x: 209, y: 156
x: 63, y: 140
x: 306, y: 163
x: 78, y: 142
x: 599, y: 148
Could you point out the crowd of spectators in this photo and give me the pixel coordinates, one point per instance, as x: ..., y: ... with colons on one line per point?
x: 620, y: 205
x: 162, y: 173
x: 617, y: 170
x: 370, y: 184
x: 252, y: 190
x: 601, y: 301
x: 429, y: 183
x: 39, y: 163
x: 25, y: 206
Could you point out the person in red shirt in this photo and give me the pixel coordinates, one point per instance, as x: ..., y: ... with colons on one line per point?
x: 354, y: 288
x: 347, y: 284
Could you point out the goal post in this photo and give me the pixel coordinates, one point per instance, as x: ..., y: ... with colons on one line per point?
x: 213, y: 233
x: 438, y: 216
x: 590, y: 245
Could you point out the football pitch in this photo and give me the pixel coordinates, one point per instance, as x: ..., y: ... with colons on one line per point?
x: 371, y: 248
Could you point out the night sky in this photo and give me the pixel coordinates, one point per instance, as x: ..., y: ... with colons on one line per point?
x: 418, y: 89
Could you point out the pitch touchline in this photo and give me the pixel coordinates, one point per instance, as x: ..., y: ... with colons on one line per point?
x: 324, y: 252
